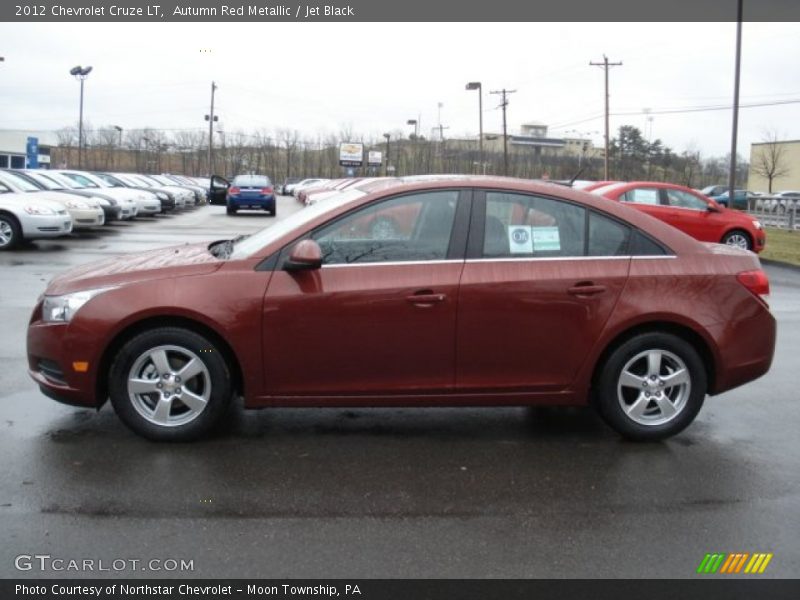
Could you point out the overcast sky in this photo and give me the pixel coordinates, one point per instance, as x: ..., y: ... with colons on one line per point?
x: 373, y: 77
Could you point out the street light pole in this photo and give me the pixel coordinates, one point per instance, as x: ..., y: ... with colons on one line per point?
x: 735, y: 127
x: 211, y: 118
x: 386, y: 168
x: 80, y: 73
x: 476, y: 85
x: 119, y: 144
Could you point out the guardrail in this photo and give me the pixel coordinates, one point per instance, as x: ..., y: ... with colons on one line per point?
x: 775, y: 211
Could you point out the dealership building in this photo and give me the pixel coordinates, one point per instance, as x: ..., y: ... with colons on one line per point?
x: 21, y: 149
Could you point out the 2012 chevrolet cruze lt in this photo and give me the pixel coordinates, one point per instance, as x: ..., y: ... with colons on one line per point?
x: 487, y: 292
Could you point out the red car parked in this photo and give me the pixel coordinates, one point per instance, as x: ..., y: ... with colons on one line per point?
x: 689, y: 211
x: 502, y: 292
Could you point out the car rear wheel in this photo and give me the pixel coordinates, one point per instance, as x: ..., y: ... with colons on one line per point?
x: 230, y: 210
x: 651, y: 387
x: 170, y: 384
x: 10, y: 232
x: 738, y: 238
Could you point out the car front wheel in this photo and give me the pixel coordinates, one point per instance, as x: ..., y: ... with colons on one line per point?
x: 738, y: 238
x: 651, y: 386
x: 10, y: 234
x: 170, y: 384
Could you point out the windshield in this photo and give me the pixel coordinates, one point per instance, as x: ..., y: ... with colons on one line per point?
x: 249, y: 245
x: 44, y: 181
x: 162, y: 180
x: 68, y: 183
x: 19, y: 183
x: 84, y: 182
x: 110, y: 180
x: 147, y: 180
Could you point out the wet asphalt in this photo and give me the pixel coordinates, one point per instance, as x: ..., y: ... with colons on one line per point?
x: 499, y: 492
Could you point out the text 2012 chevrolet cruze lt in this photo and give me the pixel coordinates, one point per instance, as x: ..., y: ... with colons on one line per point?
x: 488, y: 292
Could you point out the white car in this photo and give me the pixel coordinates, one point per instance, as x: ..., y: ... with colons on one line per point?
x: 111, y: 208
x: 185, y: 194
x: 307, y: 183
x: 128, y: 204
x: 783, y: 202
x: 28, y: 216
x: 147, y: 203
x: 85, y: 212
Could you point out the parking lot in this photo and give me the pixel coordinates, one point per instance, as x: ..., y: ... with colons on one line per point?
x: 461, y: 492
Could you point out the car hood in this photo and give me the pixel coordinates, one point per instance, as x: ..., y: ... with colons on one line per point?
x: 175, y: 261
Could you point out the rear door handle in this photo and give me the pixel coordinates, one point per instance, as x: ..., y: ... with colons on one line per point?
x: 426, y: 299
x: 587, y: 289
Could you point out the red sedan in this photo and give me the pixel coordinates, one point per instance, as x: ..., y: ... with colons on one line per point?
x: 689, y: 211
x: 501, y: 292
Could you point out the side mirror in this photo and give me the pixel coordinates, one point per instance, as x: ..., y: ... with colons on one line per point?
x: 305, y: 256
x: 714, y: 207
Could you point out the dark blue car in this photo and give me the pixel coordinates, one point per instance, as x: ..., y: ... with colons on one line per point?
x: 250, y: 191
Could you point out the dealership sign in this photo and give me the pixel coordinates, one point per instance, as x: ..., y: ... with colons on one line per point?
x: 351, y: 155
x: 32, y: 153
x: 374, y: 158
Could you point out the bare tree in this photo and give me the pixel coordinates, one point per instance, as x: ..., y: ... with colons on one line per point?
x: 770, y: 160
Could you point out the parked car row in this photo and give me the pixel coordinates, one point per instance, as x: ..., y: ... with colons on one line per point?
x: 37, y: 203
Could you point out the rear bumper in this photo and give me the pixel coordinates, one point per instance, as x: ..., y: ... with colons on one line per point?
x: 746, y: 348
x: 267, y: 202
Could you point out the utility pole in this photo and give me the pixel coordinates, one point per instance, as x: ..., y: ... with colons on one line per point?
x: 606, y: 65
x: 505, y: 93
x: 735, y: 129
x: 211, y: 118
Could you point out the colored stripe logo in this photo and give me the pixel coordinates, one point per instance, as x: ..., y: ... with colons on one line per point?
x: 734, y: 563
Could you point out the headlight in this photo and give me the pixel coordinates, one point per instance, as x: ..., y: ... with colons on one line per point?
x: 75, y: 204
x: 61, y: 309
x: 758, y: 225
x: 39, y: 210
x: 103, y: 201
x: 162, y: 196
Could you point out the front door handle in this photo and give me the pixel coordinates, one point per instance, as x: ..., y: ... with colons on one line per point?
x: 426, y: 298
x: 586, y: 289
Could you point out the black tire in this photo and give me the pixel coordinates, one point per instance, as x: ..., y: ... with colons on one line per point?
x: 734, y: 234
x: 230, y: 210
x: 9, y: 231
x: 611, y: 394
x: 182, y: 422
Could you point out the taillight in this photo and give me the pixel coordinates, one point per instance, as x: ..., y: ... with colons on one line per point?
x: 266, y: 190
x: 755, y: 281
x: 234, y: 190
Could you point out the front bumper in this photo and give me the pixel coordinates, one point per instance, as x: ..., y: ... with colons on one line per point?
x: 46, y: 226
x: 112, y: 213
x: 87, y: 218
x: 51, y: 356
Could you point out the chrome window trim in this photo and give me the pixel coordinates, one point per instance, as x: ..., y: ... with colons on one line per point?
x: 394, y: 263
x: 484, y: 260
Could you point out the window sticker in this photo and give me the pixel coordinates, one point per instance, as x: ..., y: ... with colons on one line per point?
x: 545, y: 239
x: 520, y: 239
